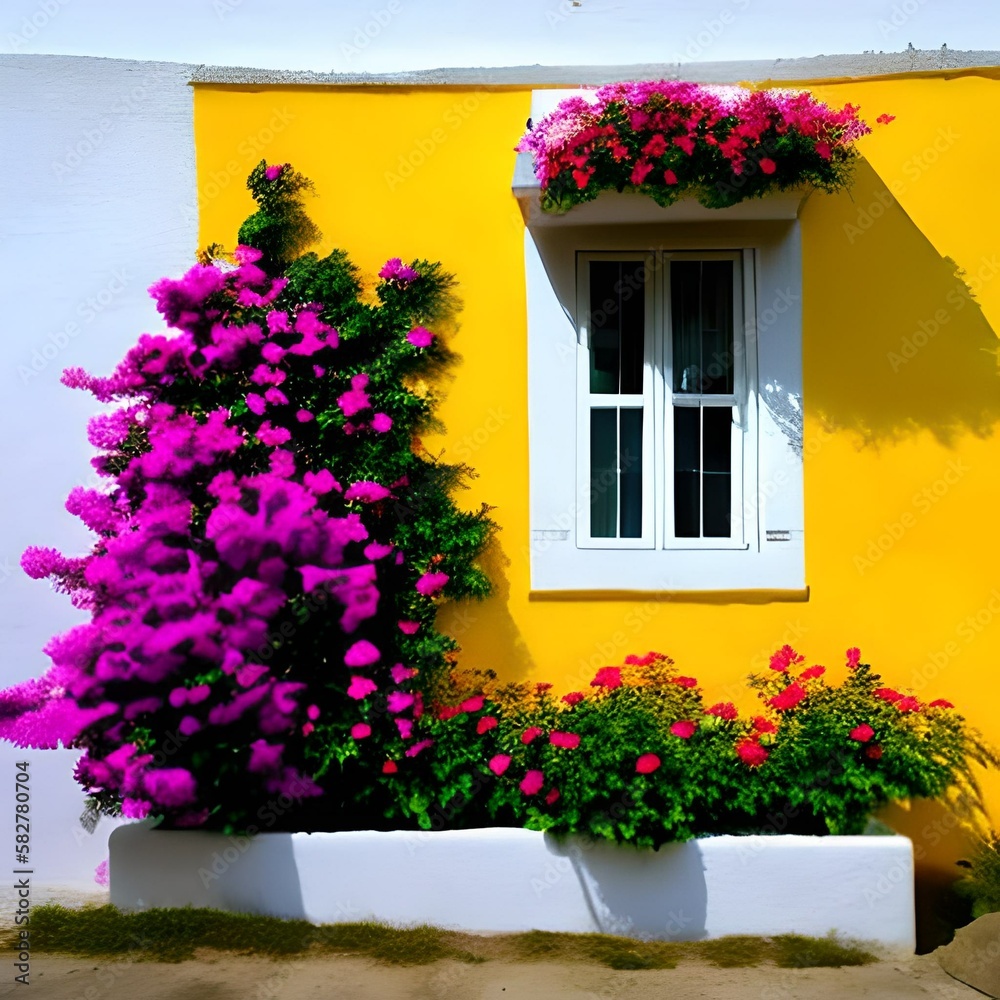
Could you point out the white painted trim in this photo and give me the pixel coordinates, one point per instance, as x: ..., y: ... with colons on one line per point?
x: 509, y: 880
x: 773, y: 498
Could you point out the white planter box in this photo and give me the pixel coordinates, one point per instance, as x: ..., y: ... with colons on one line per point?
x: 506, y: 880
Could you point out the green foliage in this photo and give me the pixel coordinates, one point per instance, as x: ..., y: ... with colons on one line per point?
x: 980, y: 881
x: 822, y: 765
x: 280, y: 228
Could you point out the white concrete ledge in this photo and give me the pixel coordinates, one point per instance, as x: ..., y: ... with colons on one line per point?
x: 508, y: 880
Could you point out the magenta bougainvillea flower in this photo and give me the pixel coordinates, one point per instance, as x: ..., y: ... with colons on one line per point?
x: 662, y: 137
x: 647, y: 763
x: 532, y: 782
x: 683, y: 728
x: 568, y: 741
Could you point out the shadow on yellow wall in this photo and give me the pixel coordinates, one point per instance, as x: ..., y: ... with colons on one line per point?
x: 895, y: 339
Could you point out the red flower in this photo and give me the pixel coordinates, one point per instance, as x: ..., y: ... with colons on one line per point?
x: 751, y: 752
x: 874, y: 751
x: 499, y: 764
x: 552, y: 796
x: 639, y: 171
x: 885, y: 119
x: 619, y: 152
x: 531, y: 783
x: 887, y: 694
x: 788, y: 698
x: 573, y: 698
x: 808, y: 675
x: 941, y: 703
x: 609, y: 677
x: 685, y: 142
x: 647, y: 763
x: 853, y: 657
x: 823, y: 150
x: 785, y: 658
x: 568, y: 741
x: 862, y: 733
x: 542, y: 687
x: 473, y: 704
x: 389, y: 767
x: 643, y: 661
x: 529, y: 734
x: 908, y: 704
x: 687, y: 682
x: 656, y: 146
x: 684, y: 728
x: 582, y: 177
x: 670, y: 177
x: 724, y: 710
x: 768, y: 165
x: 764, y: 725
x: 485, y: 724
x: 448, y: 712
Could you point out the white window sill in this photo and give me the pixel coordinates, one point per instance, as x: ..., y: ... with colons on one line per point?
x: 612, y: 208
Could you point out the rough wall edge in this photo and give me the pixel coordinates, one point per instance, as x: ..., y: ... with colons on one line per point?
x: 847, y: 66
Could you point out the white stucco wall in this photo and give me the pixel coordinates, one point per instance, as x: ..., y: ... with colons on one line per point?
x: 97, y: 202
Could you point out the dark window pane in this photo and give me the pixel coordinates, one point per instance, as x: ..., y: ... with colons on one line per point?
x: 631, y: 473
x: 617, y: 326
x: 701, y: 310
x: 717, y: 422
x: 603, y: 473
x: 687, y: 472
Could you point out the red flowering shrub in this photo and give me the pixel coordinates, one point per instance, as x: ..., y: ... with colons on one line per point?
x: 643, y: 760
x: 667, y: 138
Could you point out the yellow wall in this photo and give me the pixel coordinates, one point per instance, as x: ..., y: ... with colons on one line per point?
x: 404, y: 172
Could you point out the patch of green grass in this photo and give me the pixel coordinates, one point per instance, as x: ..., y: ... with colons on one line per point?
x: 173, y: 935
x: 792, y: 951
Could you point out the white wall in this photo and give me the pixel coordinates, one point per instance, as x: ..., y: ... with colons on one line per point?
x: 393, y: 35
x: 97, y: 202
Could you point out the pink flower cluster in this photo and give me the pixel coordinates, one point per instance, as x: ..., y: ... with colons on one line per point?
x: 207, y: 529
x: 674, y: 133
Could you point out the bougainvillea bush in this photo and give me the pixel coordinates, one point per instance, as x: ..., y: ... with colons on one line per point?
x: 271, y: 542
x: 668, y: 138
x: 272, y: 545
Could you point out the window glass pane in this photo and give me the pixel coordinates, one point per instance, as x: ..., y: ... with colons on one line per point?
x: 701, y: 310
x: 617, y: 326
x: 687, y: 472
x: 603, y: 473
x: 631, y: 473
x: 717, y: 424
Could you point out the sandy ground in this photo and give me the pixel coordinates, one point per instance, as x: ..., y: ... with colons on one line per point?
x: 212, y: 977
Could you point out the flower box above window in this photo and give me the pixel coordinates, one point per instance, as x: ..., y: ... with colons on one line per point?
x: 678, y: 152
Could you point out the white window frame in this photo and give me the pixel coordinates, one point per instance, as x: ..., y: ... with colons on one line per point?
x: 770, y: 565
x: 658, y: 402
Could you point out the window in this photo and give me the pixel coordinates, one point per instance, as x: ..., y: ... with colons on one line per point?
x: 662, y: 398
x: 665, y: 401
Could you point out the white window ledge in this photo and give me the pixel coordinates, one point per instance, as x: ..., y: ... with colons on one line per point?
x: 612, y: 208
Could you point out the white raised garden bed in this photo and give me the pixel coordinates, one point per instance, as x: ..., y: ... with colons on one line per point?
x: 504, y: 880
